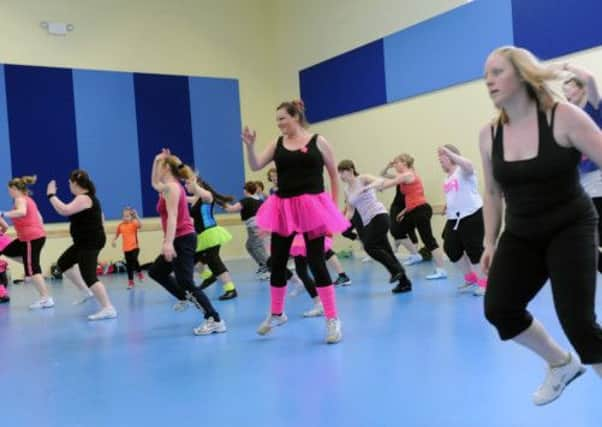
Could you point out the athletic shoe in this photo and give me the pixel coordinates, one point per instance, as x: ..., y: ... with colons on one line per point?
x: 439, y: 273
x: 557, y: 379
x: 342, y: 280
x: 271, y: 322
x: 413, y: 259
x: 83, y: 298
x: 210, y: 326
x: 105, y: 313
x: 333, y: 331
x: 42, y: 303
x: 181, y: 306
x: 228, y: 295
x: 316, y: 311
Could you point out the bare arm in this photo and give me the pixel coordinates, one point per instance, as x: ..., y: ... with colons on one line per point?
x: 257, y: 162
x: 20, y: 209
x: 198, y: 192
x: 385, y: 172
x: 155, y: 181
x: 492, y: 200
x: 463, y: 163
x: 3, y: 225
x: 78, y: 204
x: 235, y: 208
x: 329, y: 162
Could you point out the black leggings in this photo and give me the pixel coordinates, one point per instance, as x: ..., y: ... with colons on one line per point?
x: 464, y: 236
x: 131, y: 262
x: 85, y: 258
x: 420, y: 218
x: 177, y: 276
x: 376, y: 243
x: 210, y: 257
x: 302, y: 270
x: 598, y: 204
x: 280, y: 248
x: 29, y: 253
x: 522, y: 265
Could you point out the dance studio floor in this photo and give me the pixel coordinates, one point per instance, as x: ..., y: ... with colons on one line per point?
x: 423, y: 359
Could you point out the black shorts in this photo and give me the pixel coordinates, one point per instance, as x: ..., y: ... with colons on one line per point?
x: 464, y: 236
x: 29, y: 252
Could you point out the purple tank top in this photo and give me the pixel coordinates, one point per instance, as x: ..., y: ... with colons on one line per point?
x: 184, y: 223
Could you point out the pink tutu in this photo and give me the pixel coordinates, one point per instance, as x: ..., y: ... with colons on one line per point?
x: 314, y: 214
x: 4, y: 241
x: 298, y: 246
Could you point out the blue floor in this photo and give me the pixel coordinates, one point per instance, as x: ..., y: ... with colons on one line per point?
x: 422, y: 359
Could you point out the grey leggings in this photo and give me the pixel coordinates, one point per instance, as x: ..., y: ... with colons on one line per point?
x: 255, y: 243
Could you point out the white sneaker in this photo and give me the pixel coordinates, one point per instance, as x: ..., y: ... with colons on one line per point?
x: 83, y: 298
x: 271, y: 322
x: 557, y: 379
x: 478, y: 291
x: 438, y: 274
x: 297, y: 287
x: 265, y: 275
x: 210, y: 326
x: 105, y: 313
x: 465, y: 288
x: 333, y: 331
x: 413, y: 259
x: 181, y: 306
x: 42, y: 303
x: 316, y: 311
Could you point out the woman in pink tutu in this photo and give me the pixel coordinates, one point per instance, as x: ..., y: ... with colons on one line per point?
x: 300, y: 206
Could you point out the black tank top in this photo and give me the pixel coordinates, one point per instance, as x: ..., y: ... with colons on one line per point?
x: 86, y: 226
x: 202, y: 215
x: 299, y: 171
x: 539, y: 186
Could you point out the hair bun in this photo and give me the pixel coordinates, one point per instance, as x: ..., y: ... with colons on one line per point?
x: 299, y: 104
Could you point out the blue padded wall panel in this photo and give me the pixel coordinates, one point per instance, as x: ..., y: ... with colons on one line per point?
x: 105, y: 112
x: 216, y: 130
x: 551, y: 29
x: 344, y: 84
x: 41, y: 120
x: 5, y: 164
x: 163, y: 114
x: 446, y: 50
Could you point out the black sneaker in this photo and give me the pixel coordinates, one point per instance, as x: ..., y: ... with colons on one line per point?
x: 208, y: 281
x: 4, y: 299
x: 404, y: 285
x: 228, y: 295
x: 396, y: 277
x: 342, y: 280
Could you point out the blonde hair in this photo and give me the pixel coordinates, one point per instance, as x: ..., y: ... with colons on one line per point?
x: 406, y: 159
x: 21, y: 183
x: 177, y: 168
x: 534, y: 74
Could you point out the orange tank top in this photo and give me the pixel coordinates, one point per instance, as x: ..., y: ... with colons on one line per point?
x: 414, y: 193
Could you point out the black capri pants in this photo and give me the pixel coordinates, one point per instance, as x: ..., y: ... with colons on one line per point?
x: 86, y: 258
x: 420, y: 218
x: 567, y: 255
x: 210, y: 257
x: 464, y: 236
x: 29, y: 253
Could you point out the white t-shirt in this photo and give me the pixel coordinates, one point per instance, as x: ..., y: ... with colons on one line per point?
x: 461, y: 194
x: 592, y: 183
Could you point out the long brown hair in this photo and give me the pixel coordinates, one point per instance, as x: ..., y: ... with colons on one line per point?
x: 219, y: 198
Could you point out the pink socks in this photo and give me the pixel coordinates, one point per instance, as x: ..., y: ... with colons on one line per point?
x: 327, y: 297
x: 277, y: 300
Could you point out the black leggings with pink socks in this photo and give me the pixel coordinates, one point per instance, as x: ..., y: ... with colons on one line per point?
x: 280, y: 248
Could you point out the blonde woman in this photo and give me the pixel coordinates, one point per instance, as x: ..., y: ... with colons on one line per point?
x: 530, y: 156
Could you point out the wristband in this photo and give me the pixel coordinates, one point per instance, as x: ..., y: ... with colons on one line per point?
x: 50, y: 196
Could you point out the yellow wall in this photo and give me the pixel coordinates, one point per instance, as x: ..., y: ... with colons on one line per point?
x: 221, y: 38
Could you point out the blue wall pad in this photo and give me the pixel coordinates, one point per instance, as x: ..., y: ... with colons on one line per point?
x: 216, y: 130
x: 344, y: 84
x: 551, y: 29
x: 107, y: 137
x: 5, y: 164
x: 163, y: 113
x: 446, y: 50
x: 41, y: 120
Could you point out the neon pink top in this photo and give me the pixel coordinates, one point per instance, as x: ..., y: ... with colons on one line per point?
x: 184, y: 224
x: 414, y: 193
x: 29, y: 227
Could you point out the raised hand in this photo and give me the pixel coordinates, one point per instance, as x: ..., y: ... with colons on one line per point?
x: 249, y: 136
x: 51, y: 187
